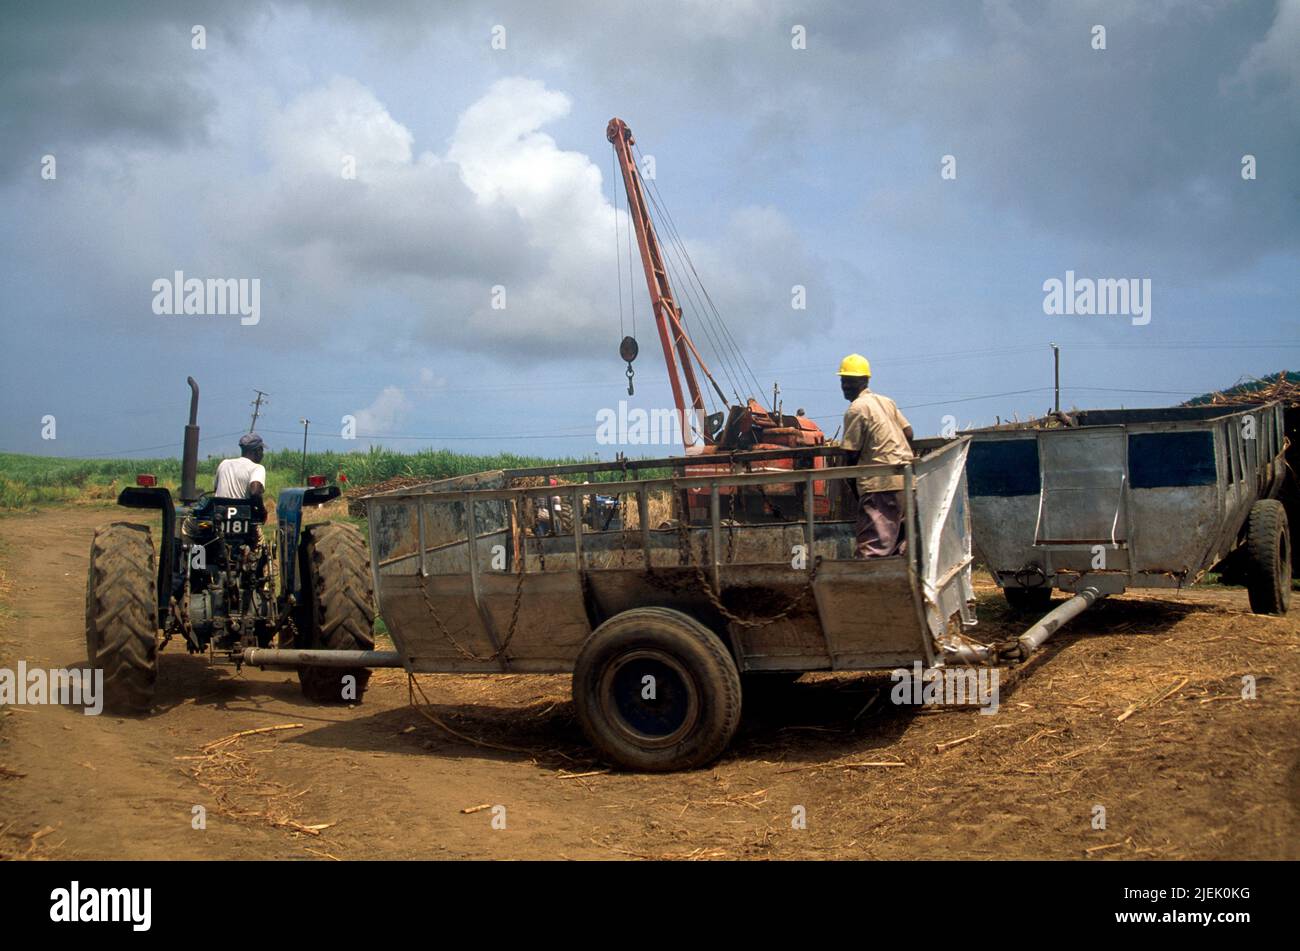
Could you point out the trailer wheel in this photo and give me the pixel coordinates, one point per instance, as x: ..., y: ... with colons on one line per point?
x: 1029, y: 600
x: 337, y: 610
x: 1268, y: 558
x: 656, y: 690
x: 122, y: 615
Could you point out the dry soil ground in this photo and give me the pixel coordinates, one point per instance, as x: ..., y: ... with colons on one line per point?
x: 1194, y: 770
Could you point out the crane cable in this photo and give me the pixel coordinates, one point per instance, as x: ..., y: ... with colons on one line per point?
x: 693, y: 277
x: 729, y: 369
x: 668, y: 263
x: 679, y: 243
x: 627, y: 345
x: 618, y: 252
x: 681, y: 278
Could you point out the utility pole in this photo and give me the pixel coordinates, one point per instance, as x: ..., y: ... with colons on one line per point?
x: 1056, y: 362
x: 305, y: 423
x: 257, y: 408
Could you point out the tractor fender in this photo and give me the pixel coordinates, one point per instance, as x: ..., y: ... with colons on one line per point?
x: 288, y: 518
x: 156, y: 497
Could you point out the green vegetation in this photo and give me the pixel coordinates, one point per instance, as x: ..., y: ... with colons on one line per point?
x: 27, y: 481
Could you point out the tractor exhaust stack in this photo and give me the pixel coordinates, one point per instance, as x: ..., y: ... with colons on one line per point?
x: 190, y: 453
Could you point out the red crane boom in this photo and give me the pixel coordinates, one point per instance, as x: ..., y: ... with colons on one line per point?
x: 668, y: 314
x: 747, y: 427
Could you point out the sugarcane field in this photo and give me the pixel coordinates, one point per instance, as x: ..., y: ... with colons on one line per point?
x: 606, y: 433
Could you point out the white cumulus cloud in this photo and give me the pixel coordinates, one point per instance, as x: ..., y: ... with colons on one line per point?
x: 504, y: 215
x: 383, y: 415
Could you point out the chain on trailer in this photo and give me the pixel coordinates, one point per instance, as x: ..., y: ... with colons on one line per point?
x: 461, y: 649
x: 750, y: 623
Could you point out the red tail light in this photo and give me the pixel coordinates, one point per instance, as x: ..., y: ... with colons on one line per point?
x: 147, y: 481
x: 316, y: 481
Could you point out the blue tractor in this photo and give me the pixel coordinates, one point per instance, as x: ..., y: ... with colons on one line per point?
x: 221, y: 583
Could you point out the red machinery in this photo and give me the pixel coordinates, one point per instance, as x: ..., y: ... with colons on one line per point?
x: 748, y: 426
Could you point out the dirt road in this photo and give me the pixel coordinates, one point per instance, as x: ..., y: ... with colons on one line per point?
x: 1193, y: 770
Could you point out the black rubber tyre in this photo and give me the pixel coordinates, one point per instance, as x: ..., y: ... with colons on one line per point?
x: 695, y: 707
x: 1029, y: 600
x: 337, y: 609
x: 562, y: 517
x: 122, y: 615
x: 1268, y: 558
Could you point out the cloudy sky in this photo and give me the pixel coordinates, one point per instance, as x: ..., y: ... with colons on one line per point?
x: 384, y: 169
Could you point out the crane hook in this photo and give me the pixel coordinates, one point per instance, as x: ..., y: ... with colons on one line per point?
x: 628, y: 350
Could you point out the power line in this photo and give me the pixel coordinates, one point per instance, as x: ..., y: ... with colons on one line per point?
x: 169, y: 445
x: 432, y: 437
x: 1268, y: 345
x: 1037, y: 389
x: 971, y: 399
x: 584, y: 430
x: 1120, y: 389
x: 906, y: 360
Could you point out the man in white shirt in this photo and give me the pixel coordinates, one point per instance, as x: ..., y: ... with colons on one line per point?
x: 244, y: 477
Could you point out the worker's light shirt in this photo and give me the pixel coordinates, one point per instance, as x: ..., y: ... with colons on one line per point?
x: 873, y: 427
x: 235, y: 475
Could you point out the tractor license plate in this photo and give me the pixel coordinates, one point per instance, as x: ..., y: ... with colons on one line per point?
x: 236, y: 519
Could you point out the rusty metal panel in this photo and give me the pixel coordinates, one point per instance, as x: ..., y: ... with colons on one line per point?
x: 416, y: 634
x: 551, y: 628
x: 753, y: 592
x: 870, y: 613
x: 394, y: 534
x: 760, y: 593
x: 614, y: 590
x: 552, y: 622
x: 765, y: 544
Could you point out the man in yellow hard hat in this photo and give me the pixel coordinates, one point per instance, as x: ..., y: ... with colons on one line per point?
x: 875, y: 433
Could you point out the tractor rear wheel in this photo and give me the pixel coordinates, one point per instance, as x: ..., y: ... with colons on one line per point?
x: 656, y: 690
x: 562, y: 517
x: 337, y: 609
x: 1268, y: 558
x: 122, y: 615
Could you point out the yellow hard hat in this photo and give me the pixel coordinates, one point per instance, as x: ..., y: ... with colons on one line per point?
x: 855, y: 364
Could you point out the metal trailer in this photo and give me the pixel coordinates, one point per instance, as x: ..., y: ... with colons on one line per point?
x: 658, y: 623
x: 1106, y: 500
